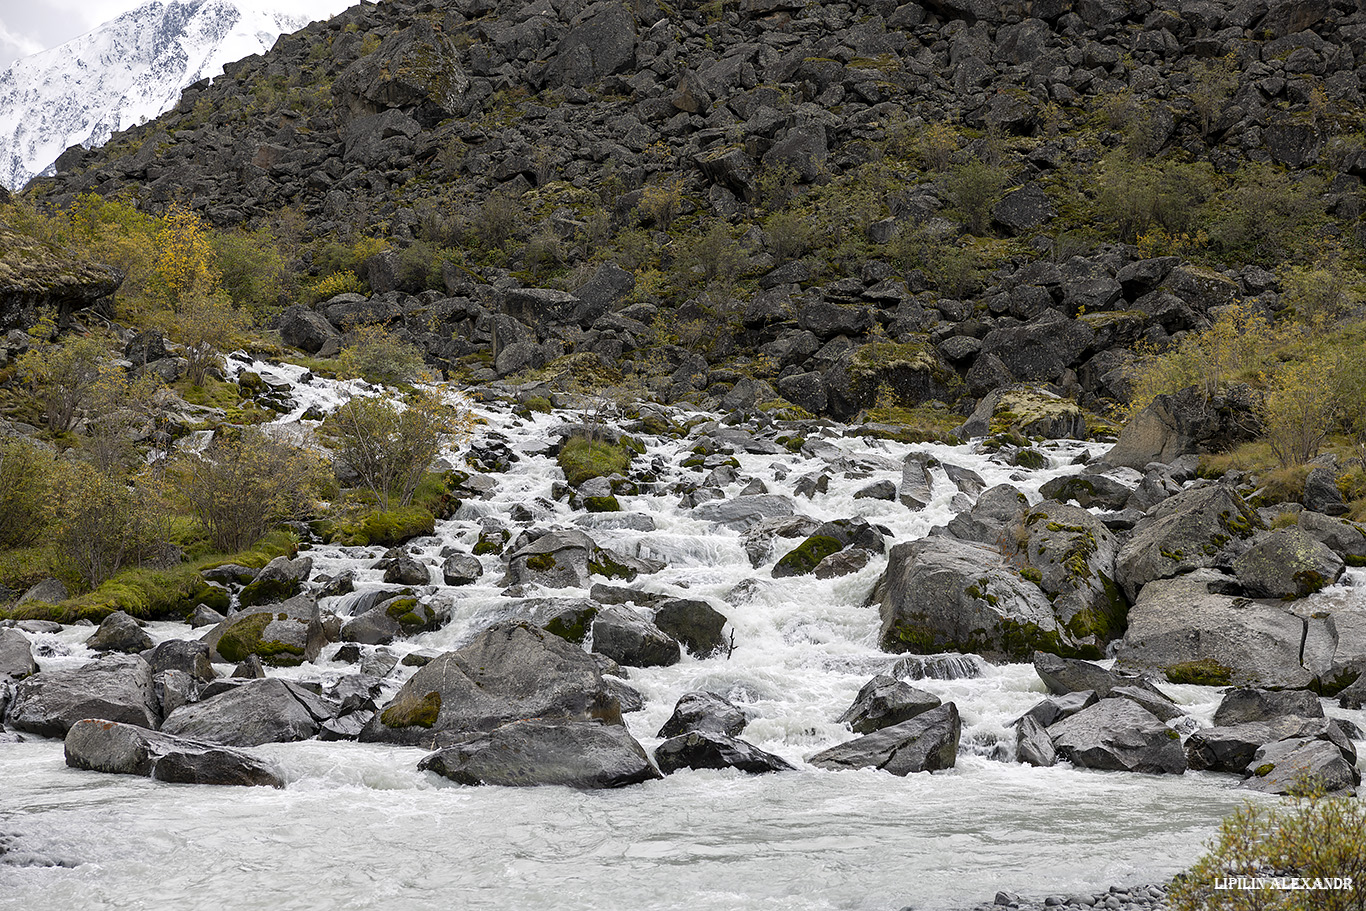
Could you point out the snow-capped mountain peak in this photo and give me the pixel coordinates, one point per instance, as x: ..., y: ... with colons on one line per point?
x: 128, y: 70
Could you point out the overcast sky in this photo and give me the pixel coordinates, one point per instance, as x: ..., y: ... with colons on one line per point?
x: 30, y: 26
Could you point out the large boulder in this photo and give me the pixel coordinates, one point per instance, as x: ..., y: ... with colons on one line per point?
x: 1033, y: 746
x: 925, y: 743
x: 1119, y: 735
x: 119, y: 632
x: 1180, y: 628
x: 885, y: 701
x: 601, y: 41
x: 16, y: 656
x: 705, y: 712
x: 1186, y: 422
x: 1247, y: 703
x: 557, y: 559
x: 1232, y: 748
x: 743, y: 512
x: 279, y: 580
x: 283, y: 635
x: 628, y: 638
x: 707, y: 750
x: 396, y: 618
x: 37, y: 277
x: 695, y: 624
x: 939, y: 594
x: 1063, y: 676
x: 127, y: 749
x: 269, y: 710
x: 1287, y: 766
x: 1183, y: 533
x: 188, y: 656
x: 509, y: 672
x: 113, y: 688
x: 1071, y: 555
x: 416, y: 69
x: 539, y: 751
x: 1287, y: 563
x: 307, y: 330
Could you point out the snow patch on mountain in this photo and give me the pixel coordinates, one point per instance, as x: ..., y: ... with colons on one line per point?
x: 129, y: 70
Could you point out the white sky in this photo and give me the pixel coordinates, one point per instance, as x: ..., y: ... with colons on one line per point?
x: 30, y: 26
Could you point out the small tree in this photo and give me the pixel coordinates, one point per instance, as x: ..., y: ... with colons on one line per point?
x: 973, y: 189
x: 207, y: 324
x: 373, y: 353
x: 102, y: 522
x: 185, y: 267
x: 1300, y: 408
x: 62, y: 378
x: 24, y: 483
x: 390, y: 446
x: 243, y: 485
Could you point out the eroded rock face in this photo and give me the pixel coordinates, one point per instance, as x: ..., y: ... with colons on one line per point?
x: 509, y: 672
x: 925, y: 743
x: 126, y: 749
x: 270, y: 710
x: 578, y: 754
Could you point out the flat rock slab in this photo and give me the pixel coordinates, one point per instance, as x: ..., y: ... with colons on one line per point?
x: 925, y: 743
x: 125, y: 749
x: 261, y: 711
x: 576, y: 754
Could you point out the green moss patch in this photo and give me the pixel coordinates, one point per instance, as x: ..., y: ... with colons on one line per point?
x: 581, y: 459
x: 412, y: 713
x: 244, y: 639
x: 385, y: 529
x: 1204, y: 672
x: 803, y: 558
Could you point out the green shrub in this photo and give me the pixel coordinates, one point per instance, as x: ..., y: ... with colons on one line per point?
x: 973, y: 188
x: 329, y: 286
x: 24, y: 480
x: 385, y: 528
x: 373, y: 354
x: 1312, y: 837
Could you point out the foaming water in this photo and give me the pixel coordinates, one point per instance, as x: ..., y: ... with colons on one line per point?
x: 359, y: 827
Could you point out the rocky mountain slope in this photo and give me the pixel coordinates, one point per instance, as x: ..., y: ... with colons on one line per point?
x: 123, y: 73
x: 840, y: 204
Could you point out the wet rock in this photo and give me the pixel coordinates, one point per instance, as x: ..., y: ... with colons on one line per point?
x: 925, y: 743
x: 119, y: 632
x: 508, y: 672
x: 1119, y: 735
x: 1072, y: 675
x: 279, y: 580
x: 940, y: 594
x: 1033, y: 746
x: 173, y: 689
x: 878, y: 490
x: 1252, y: 704
x: 1053, y: 709
x: 1281, y: 767
x: 628, y: 638
x: 1089, y: 491
x: 577, y: 754
x: 282, y: 635
x: 558, y: 559
x: 397, y: 618
x: 113, y: 688
x: 461, y: 569
x: 125, y: 749
x: 185, y: 655
x: 917, y: 484
x: 259, y: 711
x: 707, y: 750
x: 205, y: 616
x: 695, y: 624
x: 885, y: 701
x: 1186, y: 532
x: 1181, y: 629
x: 405, y: 570
x: 705, y: 712
x: 1287, y: 563
x: 741, y: 513
x: 844, y: 563
x: 16, y: 656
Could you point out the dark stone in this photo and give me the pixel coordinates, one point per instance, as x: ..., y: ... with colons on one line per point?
x: 885, y: 701
x: 259, y: 711
x: 113, y: 688
x: 925, y: 743
x: 706, y: 750
x: 628, y: 638
x: 706, y: 712
x: 119, y: 632
x: 1119, y: 735
x: 125, y: 749
x: 696, y: 624
x: 577, y: 754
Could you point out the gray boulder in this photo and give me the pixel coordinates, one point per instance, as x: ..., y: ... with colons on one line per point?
x: 1033, y: 746
x: 1344, y: 538
x: 558, y: 559
x: 49, y: 591
x: 628, y: 638
x: 119, y: 632
x: 1119, y: 735
x: 600, y: 42
x: 741, y: 513
x: 283, y: 635
x: 188, y: 656
x: 695, y: 624
x: 509, y: 672
x: 114, y: 687
x: 397, y: 618
x: 1180, y: 628
x: 1287, y: 563
x: 1231, y: 748
x: 1072, y: 675
x: 16, y: 656
x: 578, y: 754
x: 461, y: 569
x: 270, y: 710
x: 1089, y: 491
x: 1252, y: 704
x: 939, y: 594
x: 1052, y: 709
x: 279, y: 580
x: 1288, y: 765
x: 707, y: 750
x: 126, y: 749
x: 917, y: 484
x: 302, y: 328
x: 1185, y: 422
x: 885, y: 701
x: 1186, y: 532
x: 925, y: 743
x: 705, y: 712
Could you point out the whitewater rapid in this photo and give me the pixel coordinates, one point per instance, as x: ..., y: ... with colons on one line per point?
x: 359, y: 827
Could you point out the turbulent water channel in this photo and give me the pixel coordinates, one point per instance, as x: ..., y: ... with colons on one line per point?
x: 359, y: 827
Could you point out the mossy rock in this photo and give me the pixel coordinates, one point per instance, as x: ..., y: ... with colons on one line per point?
x: 245, y: 638
x: 386, y: 529
x: 601, y: 504
x: 268, y: 591
x: 912, y: 370
x: 803, y: 558
x: 1029, y: 458
x: 582, y: 459
x: 490, y: 543
x: 412, y: 713
x: 1204, y: 672
x: 602, y: 564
